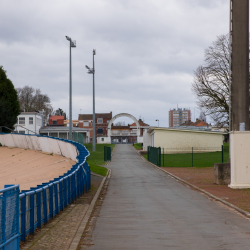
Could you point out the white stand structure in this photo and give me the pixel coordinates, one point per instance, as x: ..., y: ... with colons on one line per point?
x: 240, y: 159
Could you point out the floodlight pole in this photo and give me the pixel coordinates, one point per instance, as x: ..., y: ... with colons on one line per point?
x: 71, y: 44
x: 93, y: 145
x: 92, y: 71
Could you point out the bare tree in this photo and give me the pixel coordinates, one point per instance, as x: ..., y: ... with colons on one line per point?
x: 31, y: 100
x: 211, y: 81
x: 120, y: 124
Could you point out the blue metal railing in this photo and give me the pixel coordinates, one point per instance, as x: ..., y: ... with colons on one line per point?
x: 9, y: 219
x: 40, y: 204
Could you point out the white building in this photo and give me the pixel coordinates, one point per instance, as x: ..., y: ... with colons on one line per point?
x: 63, y: 132
x: 182, y: 139
x: 29, y: 123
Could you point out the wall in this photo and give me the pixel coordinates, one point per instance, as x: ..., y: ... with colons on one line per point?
x: 106, y: 140
x: 41, y: 143
x: 170, y: 138
x: 240, y: 159
x: 146, y: 139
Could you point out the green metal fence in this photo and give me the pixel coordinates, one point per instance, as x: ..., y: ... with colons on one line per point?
x: 188, y: 157
x: 154, y: 155
x: 77, y: 137
x: 107, y: 153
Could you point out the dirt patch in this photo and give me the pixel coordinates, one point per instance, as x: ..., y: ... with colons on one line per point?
x: 29, y: 168
x: 204, y: 179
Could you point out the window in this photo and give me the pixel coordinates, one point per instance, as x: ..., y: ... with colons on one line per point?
x: 21, y: 132
x: 54, y: 122
x: 85, y: 124
x: 102, y: 139
x: 30, y: 120
x: 100, y: 131
x: 99, y: 120
x: 108, y: 121
x: 22, y: 120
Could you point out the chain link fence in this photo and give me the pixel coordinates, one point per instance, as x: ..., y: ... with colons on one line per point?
x: 77, y: 137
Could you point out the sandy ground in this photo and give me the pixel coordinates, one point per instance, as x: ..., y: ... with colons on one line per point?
x: 204, y: 179
x: 29, y: 168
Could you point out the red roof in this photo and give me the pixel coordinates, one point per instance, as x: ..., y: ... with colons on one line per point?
x: 56, y: 117
x: 141, y: 123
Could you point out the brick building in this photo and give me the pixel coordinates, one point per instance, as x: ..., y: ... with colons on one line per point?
x: 57, y: 120
x: 101, y: 123
x: 179, y: 116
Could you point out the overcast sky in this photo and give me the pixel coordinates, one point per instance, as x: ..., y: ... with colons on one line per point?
x: 146, y: 51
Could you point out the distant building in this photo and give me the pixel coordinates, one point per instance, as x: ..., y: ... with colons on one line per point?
x: 29, y: 123
x: 127, y: 134
x: 101, y: 123
x: 63, y: 132
x: 179, y: 116
x: 197, y: 123
x: 57, y: 120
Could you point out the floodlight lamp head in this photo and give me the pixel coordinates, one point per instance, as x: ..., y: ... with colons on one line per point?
x: 68, y: 38
x: 87, y: 66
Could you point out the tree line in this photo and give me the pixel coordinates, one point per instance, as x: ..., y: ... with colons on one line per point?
x: 27, y: 99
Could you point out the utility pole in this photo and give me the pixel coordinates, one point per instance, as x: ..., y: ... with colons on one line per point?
x: 239, y: 25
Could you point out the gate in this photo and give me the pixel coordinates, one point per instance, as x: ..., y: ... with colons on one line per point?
x: 154, y: 155
x: 9, y: 217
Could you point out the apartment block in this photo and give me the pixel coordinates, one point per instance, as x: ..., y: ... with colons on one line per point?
x: 179, y: 116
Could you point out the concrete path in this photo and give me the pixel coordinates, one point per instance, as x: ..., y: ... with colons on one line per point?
x: 146, y: 209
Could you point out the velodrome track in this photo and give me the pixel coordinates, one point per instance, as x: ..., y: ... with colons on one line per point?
x: 29, y: 168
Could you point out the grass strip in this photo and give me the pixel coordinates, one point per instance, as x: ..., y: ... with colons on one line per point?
x: 138, y: 146
x: 199, y: 160
x: 96, y: 159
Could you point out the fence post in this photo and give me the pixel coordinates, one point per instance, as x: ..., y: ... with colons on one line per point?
x: 163, y: 157
x: 148, y: 153
x: 45, y: 208
x: 51, y: 201
x: 32, y: 214
x: 192, y: 156
x: 159, y: 158
x: 222, y: 153
x: 39, y: 217
x: 3, y: 218
x: 61, y: 194
x: 105, y: 153
x: 109, y: 153
x: 56, y: 198
x: 23, y: 218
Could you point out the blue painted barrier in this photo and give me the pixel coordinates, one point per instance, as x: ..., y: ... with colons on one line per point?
x: 42, y: 203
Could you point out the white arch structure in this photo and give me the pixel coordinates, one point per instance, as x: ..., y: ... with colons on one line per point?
x: 122, y: 115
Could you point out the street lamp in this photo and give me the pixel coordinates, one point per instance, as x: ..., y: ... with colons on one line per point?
x: 92, y: 71
x: 72, y: 44
x: 158, y: 122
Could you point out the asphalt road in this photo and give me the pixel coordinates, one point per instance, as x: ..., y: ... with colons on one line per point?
x: 146, y: 209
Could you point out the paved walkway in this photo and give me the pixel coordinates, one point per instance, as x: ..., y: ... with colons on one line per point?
x: 146, y: 209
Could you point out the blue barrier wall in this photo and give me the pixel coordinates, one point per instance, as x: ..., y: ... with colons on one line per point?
x: 41, y: 203
x: 9, y: 217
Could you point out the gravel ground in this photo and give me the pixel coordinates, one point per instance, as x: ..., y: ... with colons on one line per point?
x: 204, y: 179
